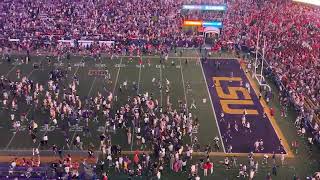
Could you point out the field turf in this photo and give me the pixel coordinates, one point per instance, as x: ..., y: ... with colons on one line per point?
x: 180, y: 74
x: 175, y: 70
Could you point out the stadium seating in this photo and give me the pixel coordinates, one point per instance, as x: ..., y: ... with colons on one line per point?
x: 292, y: 38
x: 291, y: 31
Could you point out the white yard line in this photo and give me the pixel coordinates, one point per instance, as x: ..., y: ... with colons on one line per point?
x: 75, y: 131
x: 185, y: 94
x: 14, y: 134
x: 138, y: 89
x: 214, y: 112
x: 75, y: 73
x: 94, y: 80
x: 7, y: 146
x: 113, y: 90
x: 28, y: 76
x: 11, y: 70
x: 117, y: 77
x: 161, y: 90
x: 184, y: 88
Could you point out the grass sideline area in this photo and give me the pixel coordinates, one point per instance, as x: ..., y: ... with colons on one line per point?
x: 179, y: 74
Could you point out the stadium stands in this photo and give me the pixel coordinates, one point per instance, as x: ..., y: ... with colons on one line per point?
x: 292, y: 33
x: 293, y: 48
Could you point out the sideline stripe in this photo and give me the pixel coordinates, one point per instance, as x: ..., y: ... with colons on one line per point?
x: 138, y: 89
x: 11, y: 70
x: 84, y: 154
x: 117, y: 77
x: 214, y: 112
x: 139, y: 79
x: 184, y: 88
x: 272, y: 120
x: 173, y: 57
x: 161, y: 90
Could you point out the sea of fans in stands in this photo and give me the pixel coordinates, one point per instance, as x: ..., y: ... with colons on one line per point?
x: 292, y: 41
x: 291, y: 30
x: 292, y: 33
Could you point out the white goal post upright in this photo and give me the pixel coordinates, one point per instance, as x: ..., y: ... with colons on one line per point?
x: 257, y: 50
x: 263, y: 55
x: 259, y: 77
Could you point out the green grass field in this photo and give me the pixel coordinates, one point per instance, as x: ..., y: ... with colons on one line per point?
x: 180, y: 74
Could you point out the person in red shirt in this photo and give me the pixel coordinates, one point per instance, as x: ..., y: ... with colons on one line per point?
x: 104, y: 176
x: 140, y: 60
x: 271, y: 111
x: 205, y: 169
x: 210, y: 166
x: 136, y: 158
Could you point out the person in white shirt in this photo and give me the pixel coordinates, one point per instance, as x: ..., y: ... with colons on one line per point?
x: 117, y: 166
x: 197, y: 177
x: 159, y: 175
x: 256, y: 146
x: 193, y: 169
x: 282, y: 158
x: 45, y: 140
x: 121, y: 161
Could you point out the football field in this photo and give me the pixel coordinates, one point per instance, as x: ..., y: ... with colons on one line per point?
x: 206, y: 90
x: 186, y: 84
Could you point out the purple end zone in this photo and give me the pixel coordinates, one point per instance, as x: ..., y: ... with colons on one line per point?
x: 242, y: 141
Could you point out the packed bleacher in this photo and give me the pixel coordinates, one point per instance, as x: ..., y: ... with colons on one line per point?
x: 292, y: 43
x: 40, y: 24
x: 292, y: 34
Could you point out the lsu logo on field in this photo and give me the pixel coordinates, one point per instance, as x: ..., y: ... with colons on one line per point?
x: 231, y: 102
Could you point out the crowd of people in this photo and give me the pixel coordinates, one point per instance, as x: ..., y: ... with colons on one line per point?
x: 291, y: 32
x: 151, y: 24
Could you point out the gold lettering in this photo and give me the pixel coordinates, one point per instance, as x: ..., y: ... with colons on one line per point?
x: 232, y: 90
x: 233, y: 93
x: 217, y: 80
x: 225, y: 106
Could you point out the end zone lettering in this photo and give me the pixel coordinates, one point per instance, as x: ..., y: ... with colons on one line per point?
x: 232, y: 98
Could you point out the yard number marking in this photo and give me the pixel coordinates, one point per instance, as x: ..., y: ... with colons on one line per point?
x: 101, y: 65
x: 79, y: 65
x: 120, y: 65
